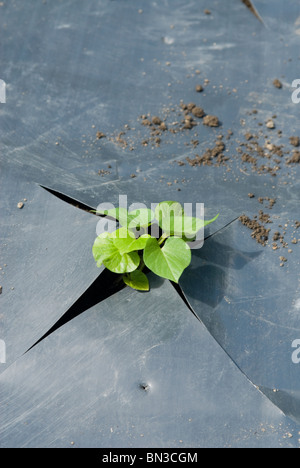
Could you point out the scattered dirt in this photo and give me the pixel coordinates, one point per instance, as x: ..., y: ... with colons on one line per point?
x: 211, y: 157
x: 259, y: 232
x: 103, y: 172
x: 271, y: 201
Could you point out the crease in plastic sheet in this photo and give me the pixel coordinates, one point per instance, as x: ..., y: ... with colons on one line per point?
x: 279, y: 18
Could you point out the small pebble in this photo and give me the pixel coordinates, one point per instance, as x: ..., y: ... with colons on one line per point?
x: 271, y: 125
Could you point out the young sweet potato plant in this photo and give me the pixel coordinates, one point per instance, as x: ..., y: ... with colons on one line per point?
x: 129, y: 249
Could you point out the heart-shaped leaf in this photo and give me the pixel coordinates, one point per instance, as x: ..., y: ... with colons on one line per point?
x: 137, y: 280
x: 170, y: 261
x: 122, y: 263
x: 103, y: 248
x: 106, y: 251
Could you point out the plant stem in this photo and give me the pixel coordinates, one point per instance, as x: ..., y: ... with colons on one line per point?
x: 142, y: 265
x: 163, y: 238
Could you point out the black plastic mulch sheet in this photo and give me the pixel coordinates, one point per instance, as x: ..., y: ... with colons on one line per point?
x: 83, y: 79
x: 136, y: 371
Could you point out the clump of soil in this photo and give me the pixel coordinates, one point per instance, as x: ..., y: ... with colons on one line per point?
x: 198, y: 112
x: 295, y: 141
x: 295, y: 159
x: 277, y: 83
x: 156, y: 120
x: 211, y: 121
x: 100, y: 135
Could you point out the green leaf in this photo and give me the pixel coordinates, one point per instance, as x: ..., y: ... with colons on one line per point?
x: 126, y: 242
x: 170, y: 261
x: 184, y: 226
x: 181, y: 225
x: 122, y: 263
x: 122, y: 234
x: 137, y: 280
x: 128, y: 245
x: 105, y: 250
x: 206, y: 223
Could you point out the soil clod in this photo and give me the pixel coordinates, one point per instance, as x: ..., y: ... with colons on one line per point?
x: 277, y: 83
x: 211, y: 121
